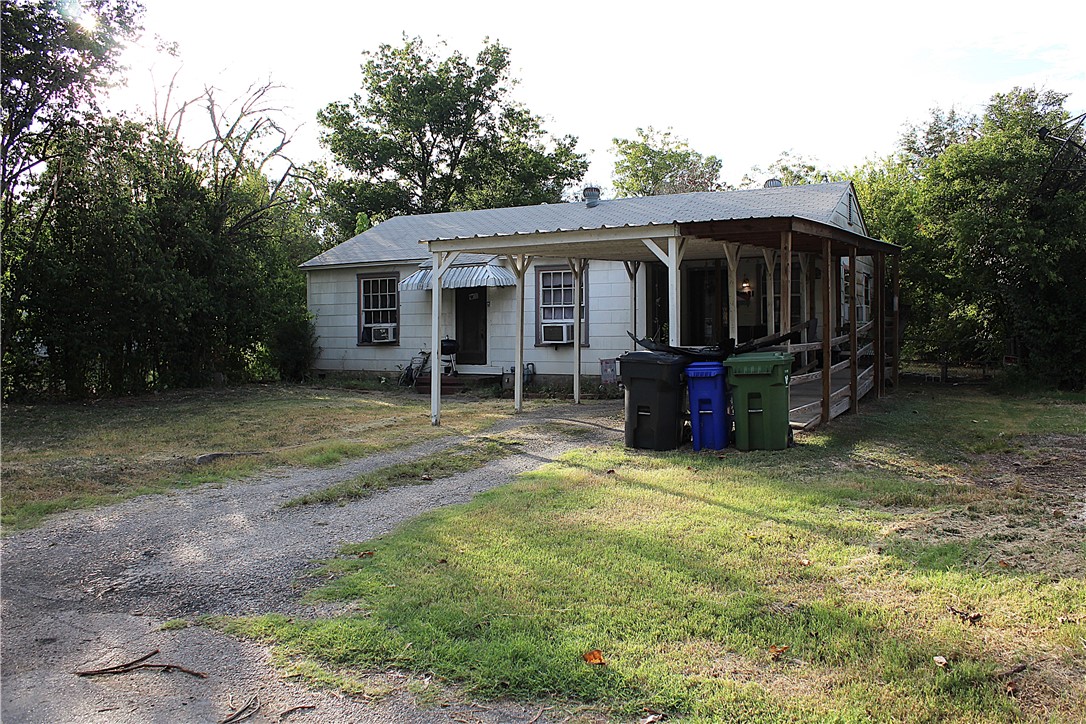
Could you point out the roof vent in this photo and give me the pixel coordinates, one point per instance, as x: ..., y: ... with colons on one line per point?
x: 591, y: 196
x: 773, y: 183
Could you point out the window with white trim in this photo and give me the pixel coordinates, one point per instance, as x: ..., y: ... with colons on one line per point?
x: 378, y: 308
x: 555, y: 307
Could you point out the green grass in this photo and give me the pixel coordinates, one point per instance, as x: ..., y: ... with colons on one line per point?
x: 684, y: 569
x: 62, y: 456
x: 466, y: 456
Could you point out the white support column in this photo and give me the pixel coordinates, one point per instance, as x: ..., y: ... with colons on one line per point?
x: 442, y: 261
x: 578, y: 266
x: 770, y: 256
x: 731, y: 250
x: 632, y: 268
x: 676, y: 249
x: 520, y: 264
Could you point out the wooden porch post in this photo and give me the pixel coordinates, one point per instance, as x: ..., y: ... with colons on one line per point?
x: 520, y: 264
x: 632, y: 268
x: 731, y: 251
x: 853, y: 337
x: 770, y: 256
x: 578, y: 267
x: 786, y: 281
x: 805, y: 304
x: 442, y: 261
x: 880, y: 323
x: 897, y: 319
x: 827, y: 328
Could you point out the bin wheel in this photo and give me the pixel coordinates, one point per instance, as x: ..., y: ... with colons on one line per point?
x: 791, y: 438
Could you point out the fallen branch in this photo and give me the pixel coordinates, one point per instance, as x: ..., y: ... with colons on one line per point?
x: 535, y: 718
x: 251, y: 707
x: 139, y: 664
x: 1012, y: 671
x: 970, y: 617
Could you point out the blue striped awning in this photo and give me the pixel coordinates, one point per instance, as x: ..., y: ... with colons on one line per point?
x: 458, y: 277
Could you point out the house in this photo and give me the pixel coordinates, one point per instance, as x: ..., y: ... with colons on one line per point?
x: 691, y: 268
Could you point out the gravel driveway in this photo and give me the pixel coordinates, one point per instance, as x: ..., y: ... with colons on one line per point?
x: 91, y: 589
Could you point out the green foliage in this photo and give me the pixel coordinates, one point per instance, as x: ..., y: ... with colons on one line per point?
x: 294, y: 347
x: 429, y: 134
x: 987, y: 259
x: 791, y: 170
x: 659, y: 163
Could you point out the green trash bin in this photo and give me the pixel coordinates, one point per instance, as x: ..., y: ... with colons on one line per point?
x: 759, y: 393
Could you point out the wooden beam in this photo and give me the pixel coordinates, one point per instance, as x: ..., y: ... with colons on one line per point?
x: 577, y: 266
x: 442, y: 260
x: 520, y: 264
x: 896, y: 322
x: 853, y: 336
x: 632, y: 267
x: 880, y: 324
x: 731, y: 252
x: 770, y: 256
x: 786, y: 281
x: 827, y: 290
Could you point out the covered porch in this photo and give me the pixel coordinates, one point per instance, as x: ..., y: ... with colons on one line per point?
x: 841, y: 299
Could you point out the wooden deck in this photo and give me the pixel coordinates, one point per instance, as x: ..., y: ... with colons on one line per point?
x: 805, y: 398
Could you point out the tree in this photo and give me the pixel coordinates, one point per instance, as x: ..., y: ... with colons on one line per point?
x: 54, y: 57
x: 430, y: 134
x: 790, y: 170
x: 987, y: 258
x: 659, y: 163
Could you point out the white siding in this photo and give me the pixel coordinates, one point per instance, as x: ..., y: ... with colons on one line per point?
x: 333, y: 299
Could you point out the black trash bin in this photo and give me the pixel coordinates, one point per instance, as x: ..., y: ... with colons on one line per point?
x: 655, y: 384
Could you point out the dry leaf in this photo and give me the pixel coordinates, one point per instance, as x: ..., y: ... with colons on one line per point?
x: 805, y: 561
x: 367, y: 554
x: 595, y: 658
x: 426, y: 477
x: 651, y: 718
x: 1011, y: 688
x: 775, y: 651
x: 940, y: 661
x: 611, y: 471
x: 1057, y: 513
x: 1004, y: 564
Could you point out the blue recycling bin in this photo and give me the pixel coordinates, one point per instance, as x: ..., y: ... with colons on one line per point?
x: 709, y: 420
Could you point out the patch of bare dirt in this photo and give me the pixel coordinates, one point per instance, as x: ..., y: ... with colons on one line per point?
x: 1029, y: 511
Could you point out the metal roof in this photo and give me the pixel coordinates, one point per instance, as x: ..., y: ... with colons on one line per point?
x: 457, y: 277
x: 399, y: 238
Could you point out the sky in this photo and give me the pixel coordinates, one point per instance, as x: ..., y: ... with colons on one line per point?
x: 745, y: 81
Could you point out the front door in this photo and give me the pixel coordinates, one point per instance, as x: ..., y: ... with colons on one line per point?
x: 471, y: 325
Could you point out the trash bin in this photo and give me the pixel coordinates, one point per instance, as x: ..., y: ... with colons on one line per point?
x: 759, y: 390
x: 654, y: 399
x: 708, y: 405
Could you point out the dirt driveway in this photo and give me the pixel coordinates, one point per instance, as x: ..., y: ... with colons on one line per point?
x: 94, y: 588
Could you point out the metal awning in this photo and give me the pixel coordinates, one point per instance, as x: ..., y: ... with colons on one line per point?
x: 472, y: 275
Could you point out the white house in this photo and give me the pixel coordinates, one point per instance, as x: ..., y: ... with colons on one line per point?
x: 690, y: 269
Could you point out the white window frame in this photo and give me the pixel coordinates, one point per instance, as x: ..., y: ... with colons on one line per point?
x: 378, y: 304
x: 552, y: 300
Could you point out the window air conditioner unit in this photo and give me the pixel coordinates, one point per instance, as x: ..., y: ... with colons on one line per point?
x: 380, y: 333
x: 557, y: 333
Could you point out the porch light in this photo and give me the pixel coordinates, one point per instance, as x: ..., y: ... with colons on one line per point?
x: 745, y: 287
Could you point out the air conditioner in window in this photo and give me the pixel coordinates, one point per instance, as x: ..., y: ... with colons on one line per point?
x: 380, y: 333
x: 558, y: 333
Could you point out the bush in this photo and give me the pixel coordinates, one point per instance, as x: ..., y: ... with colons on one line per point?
x: 294, y: 348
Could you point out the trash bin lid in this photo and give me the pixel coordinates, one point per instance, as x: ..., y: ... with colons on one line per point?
x: 652, y: 358
x: 758, y: 363
x: 705, y: 369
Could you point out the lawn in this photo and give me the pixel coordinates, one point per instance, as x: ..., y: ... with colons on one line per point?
x: 922, y: 561
x: 62, y: 456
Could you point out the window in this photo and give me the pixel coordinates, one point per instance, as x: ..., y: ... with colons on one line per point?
x: 378, y: 308
x: 555, y: 308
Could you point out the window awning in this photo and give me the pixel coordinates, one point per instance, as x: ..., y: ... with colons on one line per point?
x: 473, y: 275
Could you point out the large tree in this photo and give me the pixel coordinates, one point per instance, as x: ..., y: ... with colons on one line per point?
x: 429, y: 133
x: 989, y: 257
x: 658, y: 162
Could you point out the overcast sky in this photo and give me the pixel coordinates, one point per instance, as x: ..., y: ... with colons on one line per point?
x: 834, y: 81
